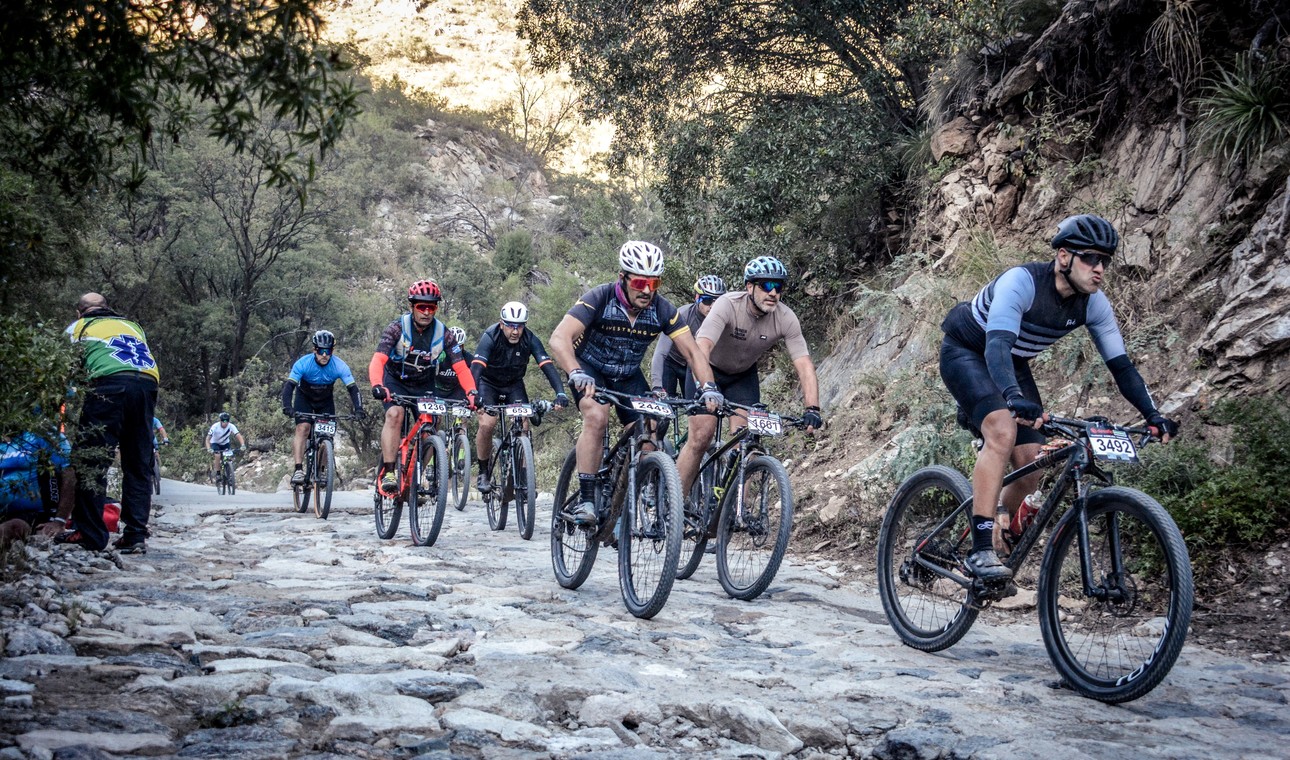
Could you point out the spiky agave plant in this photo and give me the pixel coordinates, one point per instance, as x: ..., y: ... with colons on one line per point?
x: 1245, y: 109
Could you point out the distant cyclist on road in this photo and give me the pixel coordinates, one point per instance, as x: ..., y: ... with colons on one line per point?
x: 601, y: 342
x: 985, y: 363
x: 406, y: 364
x: 739, y: 330
x: 310, y: 382
x: 220, y: 438
x: 501, y: 359
x: 159, y: 435
x: 667, y: 369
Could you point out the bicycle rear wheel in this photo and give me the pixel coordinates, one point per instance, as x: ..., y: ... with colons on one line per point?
x: 156, y: 473
x: 698, y: 513
x: 219, y: 481
x: 649, y: 538
x: 928, y: 611
x: 573, y: 549
x: 1120, y: 646
x: 230, y: 477
x: 460, y: 470
x: 495, y: 499
x: 751, y: 545
x: 428, y: 496
x: 387, y: 508
x: 525, y: 485
x: 324, y: 478
x: 300, y: 497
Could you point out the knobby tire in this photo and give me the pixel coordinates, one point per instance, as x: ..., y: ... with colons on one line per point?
x: 751, y: 547
x: 928, y: 612
x: 324, y: 477
x: 428, y: 495
x: 573, y: 550
x: 387, y: 508
x: 495, y: 500
x: 460, y: 470
x: 649, y: 538
x: 698, y: 516
x: 1117, y: 649
x: 525, y: 485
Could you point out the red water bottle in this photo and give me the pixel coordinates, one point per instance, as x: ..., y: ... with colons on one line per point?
x: 1026, y: 513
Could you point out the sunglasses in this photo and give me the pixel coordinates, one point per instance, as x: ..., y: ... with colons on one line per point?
x: 323, y: 351
x: 1093, y: 258
x: 641, y: 283
x: 706, y: 300
x: 771, y: 286
x: 512, y: 325
x: 426, y: 308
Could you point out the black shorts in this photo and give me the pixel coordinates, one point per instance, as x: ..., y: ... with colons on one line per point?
x: 967, y: 377
x: 397, y: 387
x: 492, y: 395
x: 302, y: 404
x: 674, y: 377
x: 634, y: 384
x: 217, y: 447
x: 743, y: 388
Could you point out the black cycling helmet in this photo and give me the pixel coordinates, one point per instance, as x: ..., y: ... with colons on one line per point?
x: 224, y: 417
x: 709, y: 285
x: 324, y: 339
x: 1086, y: 231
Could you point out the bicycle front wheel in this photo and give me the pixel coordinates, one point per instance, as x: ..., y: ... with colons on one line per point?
x: 1119, y: 642
x: 698, y: 512
x: 324, y: 478
x: 300, y: 497
x: 428, y: 496
x: 649, y: 537
x: 926, y: 524
x: 460, y: 470
x: 525, y: 485
x: 387, y: 509
x: 230, y: 477
x: 156, y: 473
x: 496, y: 499
x: 573, y: 548
x: 754, y: 531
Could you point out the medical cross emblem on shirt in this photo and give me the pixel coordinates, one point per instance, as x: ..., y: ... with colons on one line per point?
x: 130, y: 350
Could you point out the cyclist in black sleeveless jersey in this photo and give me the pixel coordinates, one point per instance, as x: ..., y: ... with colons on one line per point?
x: 601, y: 342
x: 985, y: 363
x: 502, y: 357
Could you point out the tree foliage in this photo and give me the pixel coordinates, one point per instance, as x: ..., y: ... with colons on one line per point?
x: 89, y: 86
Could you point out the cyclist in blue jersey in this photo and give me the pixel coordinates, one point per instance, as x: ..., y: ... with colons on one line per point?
x: 501, y: 359
x: 601, y: 341
x: 310, y: 381
x: 159, y: 430
x: 985, y: 363
x: 37, y: 488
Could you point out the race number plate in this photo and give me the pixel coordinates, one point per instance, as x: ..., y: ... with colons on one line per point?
x: 325, y: 427
x: 431, y: 406
x: 518, y: 410
x: 765, y: 423
x: 652, y: 407
x: 226, y: 453
x: 460, y: 411
x: 1112, y: 445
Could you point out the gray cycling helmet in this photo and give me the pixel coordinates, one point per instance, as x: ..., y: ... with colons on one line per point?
x: 765, y: 268
x: 709, y: 285
x: 324, y: 339
x: 1086, y: 231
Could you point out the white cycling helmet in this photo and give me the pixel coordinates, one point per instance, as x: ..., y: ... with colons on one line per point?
x: 639, y: 257
x: 458, y: 335
x: 514, y: 311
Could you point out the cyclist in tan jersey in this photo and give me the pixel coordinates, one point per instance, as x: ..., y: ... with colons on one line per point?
x: 738, y: 331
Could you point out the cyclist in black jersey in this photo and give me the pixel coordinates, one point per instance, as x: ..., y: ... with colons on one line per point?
x: 501, y: 359
x: 445, y: 381
x: 985, y: 363
x: 601, y: 342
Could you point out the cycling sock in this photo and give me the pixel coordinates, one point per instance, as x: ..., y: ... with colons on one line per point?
x: 483, y: 466
x: 300, y: 467
x: 982, y: 533
x: 587, y: 487
x: 387, y: 466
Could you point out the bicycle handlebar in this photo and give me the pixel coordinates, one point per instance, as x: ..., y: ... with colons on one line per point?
x: 1073, y: 428
x: 732, y: 408
x: 315, y: 416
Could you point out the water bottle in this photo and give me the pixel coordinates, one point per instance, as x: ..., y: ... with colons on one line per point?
x: 1026, y: 513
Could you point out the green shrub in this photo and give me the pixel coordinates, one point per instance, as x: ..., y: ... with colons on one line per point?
x: 514, y: 253
x: 1218, y: 502
x: 39, y: 364
x: 1245, y: 110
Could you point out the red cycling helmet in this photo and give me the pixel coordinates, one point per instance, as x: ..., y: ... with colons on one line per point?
x: 424, y: 291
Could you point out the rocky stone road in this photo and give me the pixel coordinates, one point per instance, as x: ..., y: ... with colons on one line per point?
x: 249, y: 631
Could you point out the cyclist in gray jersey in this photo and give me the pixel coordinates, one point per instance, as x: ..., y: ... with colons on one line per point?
x: 985, y: 363
x: 667, y: 368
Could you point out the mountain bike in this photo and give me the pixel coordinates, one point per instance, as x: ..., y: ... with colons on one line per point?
x: 638, y: 504
x: 422, y: 470
x: 742, y: 498
x: 225, y: 479
x: 1115, y: 582
x: 511, y: 472
x: 459, y: 457
x: 320, y: 463
x: 156, y: 467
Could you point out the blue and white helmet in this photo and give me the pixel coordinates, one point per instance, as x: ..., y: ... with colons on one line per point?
x: 639, y: 257
x: 765, y: 268
x: 514, y: 311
